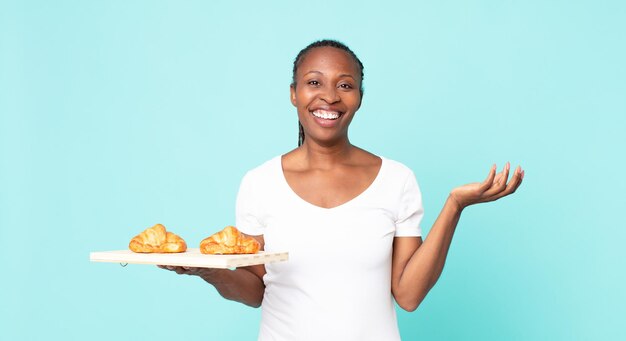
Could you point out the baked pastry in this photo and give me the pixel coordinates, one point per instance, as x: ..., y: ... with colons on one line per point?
x: 229, y: 241
x: 157, y: 240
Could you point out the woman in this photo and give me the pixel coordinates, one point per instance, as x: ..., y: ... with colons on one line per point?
x: 349, y: 219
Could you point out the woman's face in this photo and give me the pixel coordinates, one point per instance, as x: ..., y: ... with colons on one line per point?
x: 327, y: 94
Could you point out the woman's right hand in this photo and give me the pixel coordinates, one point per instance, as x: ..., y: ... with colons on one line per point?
x: 243, y: 285
x: 205, y: 273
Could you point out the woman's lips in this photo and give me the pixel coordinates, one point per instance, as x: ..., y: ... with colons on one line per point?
x: 326, y: 114
x: 326, y: 118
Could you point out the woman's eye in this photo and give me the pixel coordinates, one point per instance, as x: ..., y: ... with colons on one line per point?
x: 314, y: 82
x: 345, y: 86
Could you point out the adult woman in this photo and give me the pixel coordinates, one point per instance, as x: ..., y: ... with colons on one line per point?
x: 349, y: 219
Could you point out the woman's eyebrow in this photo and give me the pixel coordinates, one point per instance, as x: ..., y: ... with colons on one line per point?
x: 314, y: 71
x: 321, y: 73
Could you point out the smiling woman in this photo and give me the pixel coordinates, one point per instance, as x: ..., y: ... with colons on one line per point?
x: 355, y: 77
x: 349, y: 219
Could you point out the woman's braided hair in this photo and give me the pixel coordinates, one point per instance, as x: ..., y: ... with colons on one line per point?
x: 300, y: 58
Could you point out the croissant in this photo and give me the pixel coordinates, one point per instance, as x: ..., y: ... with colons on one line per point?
x: 157, y: 240
x: 229, y: 241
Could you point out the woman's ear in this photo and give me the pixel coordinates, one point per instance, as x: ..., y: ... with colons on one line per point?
x: 292, y: 92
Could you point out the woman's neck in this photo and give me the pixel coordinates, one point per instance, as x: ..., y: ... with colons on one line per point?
x: 326, y: 156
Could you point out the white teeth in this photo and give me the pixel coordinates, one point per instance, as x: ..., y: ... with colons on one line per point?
x: 327, y: 115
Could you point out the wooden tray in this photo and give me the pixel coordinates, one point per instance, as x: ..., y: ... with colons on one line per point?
x: 191, y: 258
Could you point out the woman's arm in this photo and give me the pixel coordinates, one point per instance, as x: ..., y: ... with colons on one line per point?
x: 243, y: 284
x: 416, y: 266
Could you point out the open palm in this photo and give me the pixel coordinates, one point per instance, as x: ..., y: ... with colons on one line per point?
x: 493, y: 188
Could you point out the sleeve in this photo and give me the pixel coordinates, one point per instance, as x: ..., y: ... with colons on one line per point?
x: 247, y: 210
x: 410, y: 209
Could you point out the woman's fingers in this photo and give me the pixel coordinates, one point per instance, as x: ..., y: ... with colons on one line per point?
x: 178, y: 269
x: 166, y: 267
x: 511, y: 187
x: 500, y: 181
x: 505, y: 177
x: 485, y: 185
x: 493, y: 188
x: 517, y: 181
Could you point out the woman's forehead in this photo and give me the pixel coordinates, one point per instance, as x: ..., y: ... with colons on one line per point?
x: 329, y: 59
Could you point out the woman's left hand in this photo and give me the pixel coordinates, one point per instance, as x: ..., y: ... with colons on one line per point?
x: 493, y: 188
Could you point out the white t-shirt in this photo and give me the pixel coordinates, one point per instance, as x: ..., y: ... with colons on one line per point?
x: 336, y: 284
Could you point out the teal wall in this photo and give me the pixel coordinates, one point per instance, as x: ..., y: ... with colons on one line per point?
x: 116, y: 115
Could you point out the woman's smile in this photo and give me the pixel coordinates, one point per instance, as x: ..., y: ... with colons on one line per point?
x: 326, y: 118
x: 326, y: 115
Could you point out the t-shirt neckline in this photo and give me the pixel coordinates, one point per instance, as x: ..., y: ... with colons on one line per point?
x: 293, y: 193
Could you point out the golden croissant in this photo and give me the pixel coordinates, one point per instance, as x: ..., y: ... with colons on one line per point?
x: 229, y: 241
x: 157, y: 240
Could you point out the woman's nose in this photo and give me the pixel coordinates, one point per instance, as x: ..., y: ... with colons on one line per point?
x: 330, y: 94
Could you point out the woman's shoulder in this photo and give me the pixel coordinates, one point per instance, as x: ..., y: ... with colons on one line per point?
x: 396, y: 170
x: 365, y: 158
x: 396, y: 165
x: 264, y: 170
x: 391, y: 166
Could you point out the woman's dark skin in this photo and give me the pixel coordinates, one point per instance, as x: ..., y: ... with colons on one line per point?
x: 327, y: 171
x: 243, y: 285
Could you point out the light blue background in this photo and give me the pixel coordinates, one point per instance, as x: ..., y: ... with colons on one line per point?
x: 116, y: 115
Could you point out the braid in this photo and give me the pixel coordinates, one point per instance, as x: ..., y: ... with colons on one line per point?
x: 300, y: 58
x: 300, y: 134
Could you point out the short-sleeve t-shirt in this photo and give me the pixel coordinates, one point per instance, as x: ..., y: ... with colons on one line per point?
x: 336, y: 284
